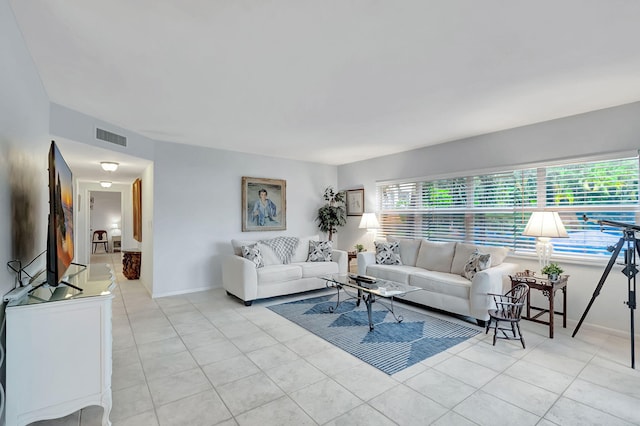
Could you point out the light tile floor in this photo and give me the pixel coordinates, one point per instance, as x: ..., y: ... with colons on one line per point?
x: 206, y: 359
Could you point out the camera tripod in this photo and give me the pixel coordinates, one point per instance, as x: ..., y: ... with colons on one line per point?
x: 630, y: 271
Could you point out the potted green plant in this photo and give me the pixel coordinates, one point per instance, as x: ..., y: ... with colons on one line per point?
x: 333, y: 213
x: 553, y: 271
x: 359, y: 248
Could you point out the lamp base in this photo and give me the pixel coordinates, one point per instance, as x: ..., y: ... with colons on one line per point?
x: 544, y: 249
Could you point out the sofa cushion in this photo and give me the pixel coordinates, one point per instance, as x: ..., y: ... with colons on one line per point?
x: 320, y: 251
x: 477, y: 262
x: 408, y: 249
x: 498, y: 254
x: 464, y: 252
x: 302, y: 251
x: 387, y: 253
x: 441, y: 282
x: 279, y: 273
x: 252, y: 253
x: 317, y: 269
x: 397, y: 273
x: 436, y: 256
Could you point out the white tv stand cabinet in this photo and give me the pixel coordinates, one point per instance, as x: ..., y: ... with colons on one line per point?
x: 59, y: 349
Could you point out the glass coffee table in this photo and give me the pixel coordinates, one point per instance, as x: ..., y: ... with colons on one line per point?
x: 368, y: 290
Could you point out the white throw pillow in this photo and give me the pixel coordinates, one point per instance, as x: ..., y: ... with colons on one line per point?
x: 320, y: 251
x: 387, y: 253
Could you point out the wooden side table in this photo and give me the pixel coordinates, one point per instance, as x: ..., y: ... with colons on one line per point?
x: 548, y: 289
x: 352, y: 255
x: 131, y: 263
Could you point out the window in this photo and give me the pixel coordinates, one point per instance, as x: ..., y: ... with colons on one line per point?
x: 493, y: 209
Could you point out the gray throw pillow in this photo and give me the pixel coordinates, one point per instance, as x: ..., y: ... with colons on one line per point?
x: 253, y: 254
x: 387, y: 253
x: 320, y: 251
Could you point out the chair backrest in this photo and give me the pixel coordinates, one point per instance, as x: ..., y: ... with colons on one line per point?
x: 100, y: 235
x: 511, y: 303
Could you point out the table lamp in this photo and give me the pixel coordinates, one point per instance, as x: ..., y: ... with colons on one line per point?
x: 544, y: 226
x: 369, y: 221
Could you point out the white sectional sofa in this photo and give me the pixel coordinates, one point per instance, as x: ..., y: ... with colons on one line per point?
x: 241, y: 277
x: 438, y: 268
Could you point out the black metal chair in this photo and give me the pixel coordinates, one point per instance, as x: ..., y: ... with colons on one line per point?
x: 508, y: 310
x: 100, y: 237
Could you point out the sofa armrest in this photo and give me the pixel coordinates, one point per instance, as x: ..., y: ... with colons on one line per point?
x: 240, y: 277
x: 492, y: 280
x: 365, y: 258
x: 342, y: 259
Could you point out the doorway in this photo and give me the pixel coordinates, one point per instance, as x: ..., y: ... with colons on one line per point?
x: 105, y: 214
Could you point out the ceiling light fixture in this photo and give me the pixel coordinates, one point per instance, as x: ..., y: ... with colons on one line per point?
x: 109, y: 166
x: 105, y: 184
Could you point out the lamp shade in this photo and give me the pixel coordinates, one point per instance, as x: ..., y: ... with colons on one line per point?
x: 545, y: 224
x: 369, y: 221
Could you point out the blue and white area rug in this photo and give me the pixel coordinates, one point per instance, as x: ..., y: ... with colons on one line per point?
x: 391, y: 346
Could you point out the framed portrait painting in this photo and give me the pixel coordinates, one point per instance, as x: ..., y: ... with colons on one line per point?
x: 264, y: 204
x: 355, y: 202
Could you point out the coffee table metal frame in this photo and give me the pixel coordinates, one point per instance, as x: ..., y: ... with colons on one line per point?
x: 367, y: 292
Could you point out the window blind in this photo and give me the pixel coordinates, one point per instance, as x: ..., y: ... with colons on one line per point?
x: 493, y: 209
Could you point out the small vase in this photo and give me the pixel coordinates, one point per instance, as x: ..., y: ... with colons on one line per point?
x: 553, y: 277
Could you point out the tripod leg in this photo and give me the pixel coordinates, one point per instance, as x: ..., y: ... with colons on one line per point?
x: 632, y: 307
x: 612, y: 261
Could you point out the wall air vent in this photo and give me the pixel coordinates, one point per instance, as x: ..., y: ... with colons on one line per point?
x: 107, y: 136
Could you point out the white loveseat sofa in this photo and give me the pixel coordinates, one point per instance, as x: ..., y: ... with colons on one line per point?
x: 438, y: 269
x: 241, y: 277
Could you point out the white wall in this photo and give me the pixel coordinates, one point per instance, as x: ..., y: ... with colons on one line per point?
x: 609, y: 130
x: 24, y: 143
x: 197, y: 209
x: 79, y: 127
x: 191, y: 202
x: 106, y: 211
x: 82, y: 214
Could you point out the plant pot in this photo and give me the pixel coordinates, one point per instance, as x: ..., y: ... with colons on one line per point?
x: 553, y: 277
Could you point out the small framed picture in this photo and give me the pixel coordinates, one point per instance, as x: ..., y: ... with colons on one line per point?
x: 264, y: 204
x: 355, y: 202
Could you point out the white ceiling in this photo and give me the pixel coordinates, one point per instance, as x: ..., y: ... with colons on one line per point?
x: 84, y: 160
x: 332, y: 81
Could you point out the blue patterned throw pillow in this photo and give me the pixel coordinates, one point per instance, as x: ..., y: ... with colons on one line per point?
x: 253, y: 254
x: 387, y: 253
x: 320, y: 251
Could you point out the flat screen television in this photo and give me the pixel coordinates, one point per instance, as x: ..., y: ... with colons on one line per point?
x: 60, y: 250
